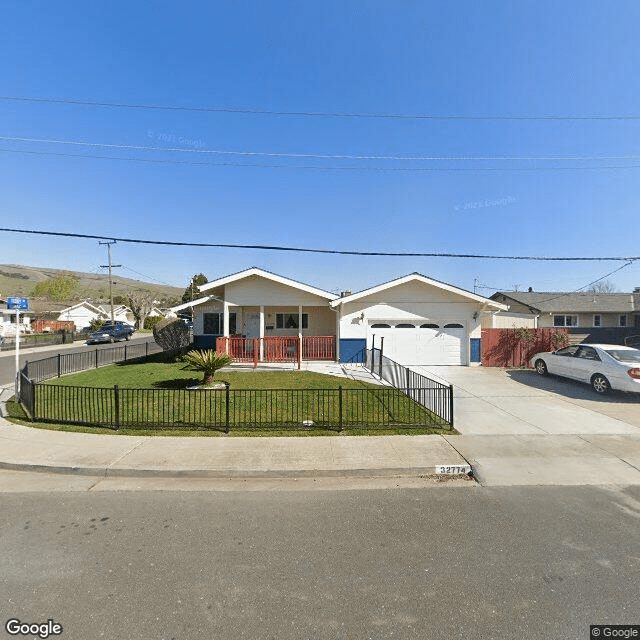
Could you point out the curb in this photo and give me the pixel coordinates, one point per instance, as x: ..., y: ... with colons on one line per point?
x: 107, y: 472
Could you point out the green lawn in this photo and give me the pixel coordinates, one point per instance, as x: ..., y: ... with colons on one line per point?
x: 162, y: 375
x: 258, y: 403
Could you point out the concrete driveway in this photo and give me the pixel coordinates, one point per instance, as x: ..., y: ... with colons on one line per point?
x: 491, y: 401
x: 519, y: 428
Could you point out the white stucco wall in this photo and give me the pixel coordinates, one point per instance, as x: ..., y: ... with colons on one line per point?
x: 508, y: 320
x: 409, y: 302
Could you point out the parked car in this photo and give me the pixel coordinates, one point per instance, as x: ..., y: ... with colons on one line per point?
x: 111, y: 333
x: 603, y: 366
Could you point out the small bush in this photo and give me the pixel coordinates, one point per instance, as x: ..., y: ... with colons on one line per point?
x: 152, y: 321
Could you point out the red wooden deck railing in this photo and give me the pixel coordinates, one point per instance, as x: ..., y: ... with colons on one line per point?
x: 319, y: 348
x: 278, y: 348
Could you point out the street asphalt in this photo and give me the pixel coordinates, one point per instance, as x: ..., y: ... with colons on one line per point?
x: 512, y: 431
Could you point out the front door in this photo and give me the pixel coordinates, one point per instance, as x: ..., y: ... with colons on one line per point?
x: 253, y: 325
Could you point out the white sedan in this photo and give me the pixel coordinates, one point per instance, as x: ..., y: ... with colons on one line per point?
x: 603, y: 366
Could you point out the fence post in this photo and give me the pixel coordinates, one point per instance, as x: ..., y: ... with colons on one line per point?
x: 299, y: 352
x: 125, y: 352
x: 146, y: 348
x: 340, y: 405
x: 58, y: 365
x: 373, y: 350
x: 226, y: 393
x: 116, y: 399
x: 96, y: 357
x: 380, y: 365
x: 451, y: 404
x: 408, y: 379
x: 256, y: 352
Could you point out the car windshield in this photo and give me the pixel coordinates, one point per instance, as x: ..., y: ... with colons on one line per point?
x: 624, y: 355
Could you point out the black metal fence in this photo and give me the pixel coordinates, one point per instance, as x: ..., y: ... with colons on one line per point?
x: 434, y: 396
x: 64, y: 363
x: 222, y: 409
x: 30, y: 340
x: 379, y: 407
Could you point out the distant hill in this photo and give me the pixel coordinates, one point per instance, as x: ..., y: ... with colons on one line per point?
x: 19, y: 280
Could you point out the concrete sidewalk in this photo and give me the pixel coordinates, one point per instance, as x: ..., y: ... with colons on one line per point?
x: 29, y: 449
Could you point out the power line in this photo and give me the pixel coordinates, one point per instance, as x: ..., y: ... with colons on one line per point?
x: 313, y: 114
x: 316, y: 156
x: 324, y: 251
x: 310, y: 167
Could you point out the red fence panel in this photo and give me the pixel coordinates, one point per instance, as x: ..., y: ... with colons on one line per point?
x: 281, y: 348
x: 319, y: 348
x: 240, y: 349
x: 514, y: 347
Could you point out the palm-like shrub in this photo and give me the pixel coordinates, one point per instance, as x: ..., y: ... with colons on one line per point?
x: 208, y: 362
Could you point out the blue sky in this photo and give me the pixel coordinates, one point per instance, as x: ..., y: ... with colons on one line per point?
x: 425, y: 57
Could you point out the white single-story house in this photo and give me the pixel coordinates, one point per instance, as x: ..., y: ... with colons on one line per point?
x: 423, y: 321
x: 83, y: 314
x: 121, y: 313
x: 585, y: 309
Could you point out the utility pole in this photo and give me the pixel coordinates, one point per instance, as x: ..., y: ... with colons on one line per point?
x: 103, y: 266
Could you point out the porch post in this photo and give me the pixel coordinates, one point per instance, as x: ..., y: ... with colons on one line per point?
x: 299, y: 335
x: 225, y: 319
x: 261, y: 332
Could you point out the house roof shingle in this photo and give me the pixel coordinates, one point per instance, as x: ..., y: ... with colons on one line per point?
x: 583, y: 302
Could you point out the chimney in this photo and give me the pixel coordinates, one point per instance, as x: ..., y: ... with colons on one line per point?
x: 344, y: 294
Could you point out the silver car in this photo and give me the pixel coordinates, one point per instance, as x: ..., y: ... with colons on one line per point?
x: 603, y: 366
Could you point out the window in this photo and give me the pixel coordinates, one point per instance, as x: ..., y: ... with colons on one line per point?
x: 429, y: 325
x: 623, y: 320
x: 290, y: 320
x: 597, y: 321
x: 453, y: 325
x: 405, y: 326
x: 214, y: 323
x: 588, y: 353
x: 565, y: 321
x: 568, y: 351
x: 381, y: 325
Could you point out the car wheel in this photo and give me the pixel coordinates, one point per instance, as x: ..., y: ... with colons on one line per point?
x: 600, y: 384
x: 541, y: 367
x: 112, y: 340
x: 128, y: 338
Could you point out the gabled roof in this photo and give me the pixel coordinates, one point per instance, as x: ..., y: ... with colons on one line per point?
x: 86, y: 304
x: 583, y: 302
x: 194, y: 303
x: 418, y: 277
x: 255, y: 271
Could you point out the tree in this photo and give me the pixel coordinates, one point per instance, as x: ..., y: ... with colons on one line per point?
x: 191, y: 292
x: 140, y: 302
x: 604, y: 286
x: 208, y: 362
x: 58, y: 289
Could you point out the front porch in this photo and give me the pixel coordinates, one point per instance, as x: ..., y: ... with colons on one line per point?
x: 278, y: 348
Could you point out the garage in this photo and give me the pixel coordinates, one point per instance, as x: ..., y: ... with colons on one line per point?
x: 423, y: 321
x: 421, y: 343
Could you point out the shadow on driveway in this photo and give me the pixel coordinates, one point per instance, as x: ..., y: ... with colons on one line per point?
x: 571, y: 389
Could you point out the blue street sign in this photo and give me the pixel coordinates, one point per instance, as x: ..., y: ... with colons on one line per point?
x: 21, y: 304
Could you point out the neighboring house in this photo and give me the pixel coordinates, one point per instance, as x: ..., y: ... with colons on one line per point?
x: 423, y: 321
x: 557, y: 309
x: 121, y: 313
x: 83, y: 314
x: 8, y: 320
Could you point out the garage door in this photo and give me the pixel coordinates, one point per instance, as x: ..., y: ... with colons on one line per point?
x: 422, y: 344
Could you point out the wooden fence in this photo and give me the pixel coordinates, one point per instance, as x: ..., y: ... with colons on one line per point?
x: 514, y: 347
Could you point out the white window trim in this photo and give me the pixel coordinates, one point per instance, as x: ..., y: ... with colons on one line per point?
x: 564, y: 317
x: 626, y: 320
x: 599, y: 316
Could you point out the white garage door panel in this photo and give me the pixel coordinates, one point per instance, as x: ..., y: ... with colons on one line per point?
x: 423, y: 346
